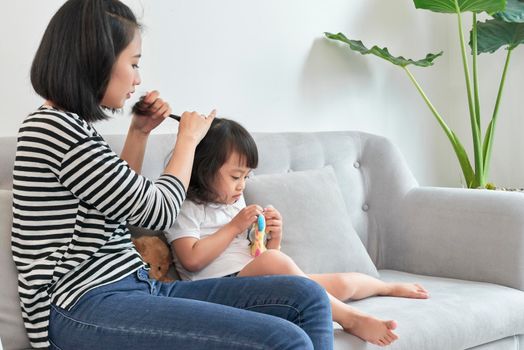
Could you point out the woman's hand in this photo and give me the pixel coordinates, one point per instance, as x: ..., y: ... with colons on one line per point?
x: 245, y: 218
x: 156, y: 110
x: 191, y: 130
x: 195, y: 125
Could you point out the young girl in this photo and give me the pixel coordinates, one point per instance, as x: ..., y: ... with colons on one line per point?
x: 210, y: 239
x: 82, y: 284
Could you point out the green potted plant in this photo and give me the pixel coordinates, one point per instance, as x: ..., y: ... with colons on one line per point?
x: 504, y: 29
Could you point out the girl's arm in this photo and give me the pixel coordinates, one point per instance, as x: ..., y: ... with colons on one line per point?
x: 274, y: 243
x: 195, y: 254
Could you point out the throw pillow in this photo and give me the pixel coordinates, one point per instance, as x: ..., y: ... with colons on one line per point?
x: 317, y: 232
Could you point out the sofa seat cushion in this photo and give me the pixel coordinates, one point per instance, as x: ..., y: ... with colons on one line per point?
x: 318, y: 234
x: 458, y: 315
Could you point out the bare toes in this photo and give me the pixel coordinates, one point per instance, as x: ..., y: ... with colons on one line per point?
x: 421, y: 288
x: 384, y: 342
x: 392, y: 337
x: 421, y: 295
x: 391, y: 324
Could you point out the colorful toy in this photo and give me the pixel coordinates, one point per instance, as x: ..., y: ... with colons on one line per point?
x: 258, y: 241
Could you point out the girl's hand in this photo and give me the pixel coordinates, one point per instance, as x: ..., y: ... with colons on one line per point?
x: 245, y: 218
x: 195, y: 125
x: 273, y: 223
x: 157, y: 110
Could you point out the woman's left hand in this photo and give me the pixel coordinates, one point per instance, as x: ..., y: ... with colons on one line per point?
x: 157, y: 109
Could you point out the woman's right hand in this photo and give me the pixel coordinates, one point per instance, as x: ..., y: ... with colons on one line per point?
x: 191, y: 130
x: 245, y: 218
x: 195, y: 125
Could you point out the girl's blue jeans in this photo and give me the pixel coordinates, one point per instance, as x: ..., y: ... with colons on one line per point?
x: 273, y: 312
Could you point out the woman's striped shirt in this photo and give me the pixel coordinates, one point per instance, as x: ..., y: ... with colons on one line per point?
x: 72, y: 199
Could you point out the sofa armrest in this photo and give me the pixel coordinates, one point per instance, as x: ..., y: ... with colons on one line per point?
x: 458, y: 233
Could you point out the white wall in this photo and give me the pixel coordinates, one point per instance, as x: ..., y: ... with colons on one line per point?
x: 266, y: 64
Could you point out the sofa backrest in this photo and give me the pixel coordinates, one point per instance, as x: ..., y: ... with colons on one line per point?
x: 12, y: 329
x: 372, y: 173
x: 7, y: 159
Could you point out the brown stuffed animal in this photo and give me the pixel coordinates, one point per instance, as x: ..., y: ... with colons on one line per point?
x: 156, y: 253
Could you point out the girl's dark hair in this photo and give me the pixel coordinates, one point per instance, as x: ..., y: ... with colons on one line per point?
x: 73, y: 63
x: 223, y: 138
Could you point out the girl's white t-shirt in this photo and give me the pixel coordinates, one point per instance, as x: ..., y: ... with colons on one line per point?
x: 201, y: 220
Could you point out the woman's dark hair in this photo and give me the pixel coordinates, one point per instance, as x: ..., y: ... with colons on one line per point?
x: 223, y: 138
x: 73, y: 63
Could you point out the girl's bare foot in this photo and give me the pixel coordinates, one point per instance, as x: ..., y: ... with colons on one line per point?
x: 406, y: 290
x: 371, y: 329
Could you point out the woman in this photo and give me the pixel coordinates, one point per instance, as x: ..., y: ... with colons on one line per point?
x: 82, y: 284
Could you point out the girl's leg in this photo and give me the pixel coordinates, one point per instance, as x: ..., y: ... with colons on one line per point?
x: 368, y: 328
x: 138, y: 313
x: 354, y: 285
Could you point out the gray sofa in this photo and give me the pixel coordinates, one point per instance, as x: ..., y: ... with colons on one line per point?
x: 465, y: 246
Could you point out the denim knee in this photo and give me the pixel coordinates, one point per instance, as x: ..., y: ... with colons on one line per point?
x: 316, y: 318
x: 289, y: 337
x: 311, y: 290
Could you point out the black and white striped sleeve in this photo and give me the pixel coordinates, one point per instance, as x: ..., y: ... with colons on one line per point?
x: 99, y: 177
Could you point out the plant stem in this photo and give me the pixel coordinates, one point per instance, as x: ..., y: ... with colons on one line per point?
x: 481, y: 173
x: 489, y: 136
x: 475, y: 72
x: 475, y: 130
x: 462, y: 156
x: 441, y: 121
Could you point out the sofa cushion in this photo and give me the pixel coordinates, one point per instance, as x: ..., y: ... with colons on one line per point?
x: 318, y: 233
x: 12, y: 329
x: 458, y: 315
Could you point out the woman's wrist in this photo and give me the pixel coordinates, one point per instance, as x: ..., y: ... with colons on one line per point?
x: 137, y: 132
x: 187, y: 139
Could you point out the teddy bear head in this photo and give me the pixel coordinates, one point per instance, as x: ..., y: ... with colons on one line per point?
x: 156, y: 253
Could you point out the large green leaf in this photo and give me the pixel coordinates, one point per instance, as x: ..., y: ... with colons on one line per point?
x: 495, y: 33
x: 514, y: 12
x: 357, y: 45
x: 450, y: 6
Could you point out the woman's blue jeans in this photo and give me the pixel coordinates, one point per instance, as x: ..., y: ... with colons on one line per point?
x: 273, y: 312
